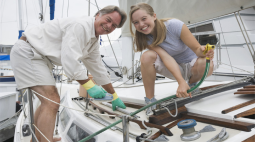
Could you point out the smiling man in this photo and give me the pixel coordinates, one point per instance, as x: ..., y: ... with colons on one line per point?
x: 64, y: 42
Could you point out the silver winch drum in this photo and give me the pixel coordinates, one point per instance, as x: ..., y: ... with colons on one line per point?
x: 189, y: 133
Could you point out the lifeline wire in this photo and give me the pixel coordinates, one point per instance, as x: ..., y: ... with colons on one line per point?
x: 69, y: 107
x: 41, y: 133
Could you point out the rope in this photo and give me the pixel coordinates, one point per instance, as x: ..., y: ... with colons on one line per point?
x: 176, y: 110
x: 71, y: 108
x: 10, y: 118
x: 227, y: 50
x: 41, y: 133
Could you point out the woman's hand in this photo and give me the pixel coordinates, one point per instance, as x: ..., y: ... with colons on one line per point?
x: 182, y: 90
x: 209, y: 54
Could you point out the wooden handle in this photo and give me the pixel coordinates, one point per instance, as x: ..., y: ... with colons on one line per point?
x: 246, y: 113
x: 102, y: 110
x: 245, y: 92
x: 249, y: 86
x: 247, y: 89
x: 238, y: 106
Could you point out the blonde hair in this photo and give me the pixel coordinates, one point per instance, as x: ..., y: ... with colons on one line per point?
x: 110, y: 9
x: 141, y: 39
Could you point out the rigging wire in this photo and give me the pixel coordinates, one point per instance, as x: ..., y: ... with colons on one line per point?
x: 227, y: 49
x: 63, y: 7
x: 110, y: 43
x: 68, y: 8
x: 26, y: 14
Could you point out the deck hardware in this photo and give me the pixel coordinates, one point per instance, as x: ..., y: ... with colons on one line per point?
x: 176, y: 109
x: 31, y: 110
x: 125, y: 126
x: 189, y: 133
x: 162, y: 137
x: 223, y: 135
x: 207, y: 128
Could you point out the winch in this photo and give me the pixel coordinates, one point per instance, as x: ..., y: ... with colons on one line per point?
x: 189, y: 133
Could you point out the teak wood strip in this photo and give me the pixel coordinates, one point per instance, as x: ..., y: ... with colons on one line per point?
x: 157, y: 134
x: 133, y: 105
x: 250, y: 139
x: 162, y: 129
x: 246, y: 113
x: 238, y: 106
x: 166, y: 117
x: 245, y: 92
x: 243, y: 126
x: 249, y: 86
x: 246, y: 89
x: 208, y: 87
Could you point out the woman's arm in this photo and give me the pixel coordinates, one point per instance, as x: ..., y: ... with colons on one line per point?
x: 173, y: 67
x: 191, y: 41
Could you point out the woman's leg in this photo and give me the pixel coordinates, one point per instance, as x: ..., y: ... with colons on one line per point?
x: 148, y: 72
x: 198, y: 70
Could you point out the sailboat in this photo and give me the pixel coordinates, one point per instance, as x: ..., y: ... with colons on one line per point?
x: 222, y: 111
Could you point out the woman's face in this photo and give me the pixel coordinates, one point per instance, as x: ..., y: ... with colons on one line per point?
x: 143, y: 22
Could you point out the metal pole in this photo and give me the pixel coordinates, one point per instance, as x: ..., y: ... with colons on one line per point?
x: 125, y: 128
x: 89, y: 8
x: 30, y: 95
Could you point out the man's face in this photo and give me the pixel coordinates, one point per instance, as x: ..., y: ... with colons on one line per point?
x: 107, y: 23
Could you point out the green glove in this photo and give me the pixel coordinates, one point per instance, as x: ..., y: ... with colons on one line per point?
x: 117, y: 102
x: 93, y: 90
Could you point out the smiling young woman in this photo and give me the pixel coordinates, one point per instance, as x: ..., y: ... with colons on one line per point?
x: 173, y: 51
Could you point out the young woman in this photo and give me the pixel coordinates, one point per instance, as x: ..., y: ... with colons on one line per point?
x: 173, y: 51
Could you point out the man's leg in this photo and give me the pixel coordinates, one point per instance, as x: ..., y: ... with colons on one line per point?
x: 198, y: 70
x: 45, y: 115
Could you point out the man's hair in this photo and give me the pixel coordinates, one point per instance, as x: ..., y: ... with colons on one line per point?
x: 112, y: 8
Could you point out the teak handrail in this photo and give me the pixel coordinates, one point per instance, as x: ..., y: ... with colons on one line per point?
x: 238, y: 106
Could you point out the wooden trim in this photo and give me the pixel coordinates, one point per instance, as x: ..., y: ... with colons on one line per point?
x: 249, y: 86
x: 169, y: 126
x: 250, y: 139
x: 246, y: 89
x: 209, y: 87
x: 245, y: 92
x: 238, y: 106
x: 133, y: 105
x: 243, y: 126
x: 166, y: 117
x: 102, y: 110
x: 246, y: 113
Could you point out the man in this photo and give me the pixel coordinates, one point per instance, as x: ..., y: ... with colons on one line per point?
x: 64, y: 42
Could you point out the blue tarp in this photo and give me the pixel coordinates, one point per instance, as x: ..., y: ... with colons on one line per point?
x: 4, y: 57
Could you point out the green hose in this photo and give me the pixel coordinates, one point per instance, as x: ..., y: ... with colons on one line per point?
x: 149, y: 105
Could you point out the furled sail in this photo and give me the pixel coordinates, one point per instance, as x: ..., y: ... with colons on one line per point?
x: 189, y: 11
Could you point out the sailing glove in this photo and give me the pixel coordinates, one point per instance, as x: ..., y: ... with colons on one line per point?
x: 93, y: 90
x: 117, y: 102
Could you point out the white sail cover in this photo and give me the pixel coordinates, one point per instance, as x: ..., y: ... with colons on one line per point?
x: 188, y: 11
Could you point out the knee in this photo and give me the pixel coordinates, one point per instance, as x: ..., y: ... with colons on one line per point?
x: 53, y: 97
x: 148, y: 57
x: 211, y: 68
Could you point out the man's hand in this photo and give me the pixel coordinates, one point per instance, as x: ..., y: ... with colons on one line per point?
x: 117, y: 102
x: 182, y: 90
x: 93, y: 90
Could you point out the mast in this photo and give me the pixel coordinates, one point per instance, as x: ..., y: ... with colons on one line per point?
x: 41, y: 11
x: 52, y: 9
x: 21, y: 29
